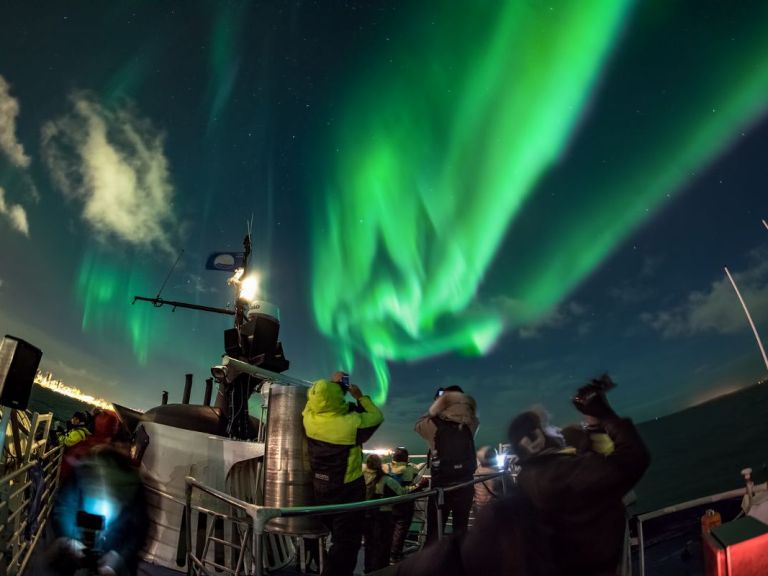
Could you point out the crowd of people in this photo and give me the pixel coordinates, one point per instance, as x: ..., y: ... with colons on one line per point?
x: 98, y: 482
x: 564, y: 514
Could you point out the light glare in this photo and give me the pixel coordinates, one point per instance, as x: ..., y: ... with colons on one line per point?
x: 249, y: 287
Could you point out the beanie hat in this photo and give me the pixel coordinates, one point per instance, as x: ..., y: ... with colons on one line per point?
x: 400, y: 454
x: 523, y: 426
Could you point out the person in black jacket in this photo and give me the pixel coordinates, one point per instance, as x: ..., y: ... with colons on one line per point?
x: 578, y: 496
x: 565, y: 517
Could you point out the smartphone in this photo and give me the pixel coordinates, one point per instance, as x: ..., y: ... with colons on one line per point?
x: 345, y: 383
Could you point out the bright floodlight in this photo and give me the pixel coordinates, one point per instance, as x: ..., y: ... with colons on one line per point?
x: 249, y: 287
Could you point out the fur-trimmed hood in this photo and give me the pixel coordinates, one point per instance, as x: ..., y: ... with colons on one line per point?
x: 455, y: 407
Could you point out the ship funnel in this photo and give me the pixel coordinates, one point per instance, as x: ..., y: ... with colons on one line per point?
x: 288, y: 475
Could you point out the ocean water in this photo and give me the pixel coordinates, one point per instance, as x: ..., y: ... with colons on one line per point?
x: 702, y: 450
x: 43, y: 400
x: 695, y: 452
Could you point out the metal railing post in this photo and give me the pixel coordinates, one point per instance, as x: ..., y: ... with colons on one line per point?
x: 188, y: 523
x: 439, y: 515
x: 260, y: 517
x: 257, y: 541
x: 641, y: 546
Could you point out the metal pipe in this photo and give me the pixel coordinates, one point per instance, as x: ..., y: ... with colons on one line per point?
x: 164, y: 399
x: 187, y: 389
x: 208, y: 391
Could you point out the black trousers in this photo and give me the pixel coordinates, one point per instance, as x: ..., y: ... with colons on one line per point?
x: 457, y: 503
x: 402, y: 516
x: 346, y: 528
x: 378, y: 538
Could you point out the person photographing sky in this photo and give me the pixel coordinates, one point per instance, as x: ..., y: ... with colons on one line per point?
x: 336, y: 432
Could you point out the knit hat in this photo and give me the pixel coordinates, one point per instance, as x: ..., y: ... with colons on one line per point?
x: 400, y: 454
x: 523, y: 426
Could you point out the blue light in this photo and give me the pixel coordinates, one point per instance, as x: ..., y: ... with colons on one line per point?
x: 102, y: 506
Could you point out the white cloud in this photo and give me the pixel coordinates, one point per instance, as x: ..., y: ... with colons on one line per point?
x: 560, y: 317
x: 9, y: 110
x: 15, y: 214
x: 717, y: 309
x: 112, y: 161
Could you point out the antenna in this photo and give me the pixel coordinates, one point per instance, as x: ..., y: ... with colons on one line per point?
x: 162, y: 286
x: 749, y: 317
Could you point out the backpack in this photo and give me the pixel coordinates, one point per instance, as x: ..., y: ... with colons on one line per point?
x: 453, y: 459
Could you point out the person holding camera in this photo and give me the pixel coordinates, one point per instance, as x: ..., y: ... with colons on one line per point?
x: 336, y: 432
x: 449, y: 428
x: 77, y: 430
x: 577, y: 495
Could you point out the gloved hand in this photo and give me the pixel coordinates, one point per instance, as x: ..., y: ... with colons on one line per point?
x: 65, y: 556
x: 112, y: 564
x: 591, y: 400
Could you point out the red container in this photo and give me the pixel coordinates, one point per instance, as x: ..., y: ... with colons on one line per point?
x: 738, y: 548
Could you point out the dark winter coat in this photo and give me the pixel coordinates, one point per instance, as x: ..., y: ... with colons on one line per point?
x: 578, y: 499
x: 504, y: 541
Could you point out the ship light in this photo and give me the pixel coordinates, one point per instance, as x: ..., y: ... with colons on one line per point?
x: 249, y: 287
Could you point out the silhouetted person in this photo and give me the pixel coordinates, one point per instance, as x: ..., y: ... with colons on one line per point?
x: 449, y: 428
x: 577, y: 496
x: 491, y: 489
x: 402, y: 514
x: 378, y: 521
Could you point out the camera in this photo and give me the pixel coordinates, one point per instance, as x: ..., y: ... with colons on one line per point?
x: 90, y: 525
x: 344, y: 383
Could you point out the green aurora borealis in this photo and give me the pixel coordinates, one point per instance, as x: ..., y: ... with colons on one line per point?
x: 511, y: 196
x: 438, y: 152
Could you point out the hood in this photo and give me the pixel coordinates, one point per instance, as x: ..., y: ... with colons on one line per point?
x: 106, y: 424
x: 455, y: 407
x: 325, y: 397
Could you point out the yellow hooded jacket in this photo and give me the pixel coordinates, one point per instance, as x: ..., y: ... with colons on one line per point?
x: 336, y: 434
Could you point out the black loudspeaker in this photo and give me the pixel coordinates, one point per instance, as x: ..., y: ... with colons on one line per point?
x: 18, y: 365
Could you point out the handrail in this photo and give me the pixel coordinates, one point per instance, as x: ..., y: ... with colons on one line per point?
x: 261, y: 515
x: 641, y: 518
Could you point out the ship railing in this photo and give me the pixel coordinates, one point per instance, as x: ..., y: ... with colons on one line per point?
x: 675, y: 508
x: 26, y: 498
x: 259, y: 517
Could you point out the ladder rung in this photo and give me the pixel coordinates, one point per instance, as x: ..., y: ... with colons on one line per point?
x: 225, y: 542
x: 218, y: 566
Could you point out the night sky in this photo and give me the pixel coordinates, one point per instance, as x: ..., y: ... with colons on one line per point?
x: 510, y: 196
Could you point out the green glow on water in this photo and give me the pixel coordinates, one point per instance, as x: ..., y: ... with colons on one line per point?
x: 439, y: 146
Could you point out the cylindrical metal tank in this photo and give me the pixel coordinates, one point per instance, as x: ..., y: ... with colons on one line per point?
x: 288, y: 479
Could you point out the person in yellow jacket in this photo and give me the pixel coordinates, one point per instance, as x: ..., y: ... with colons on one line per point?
x: 76, y: 430
x: 335, y: 433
